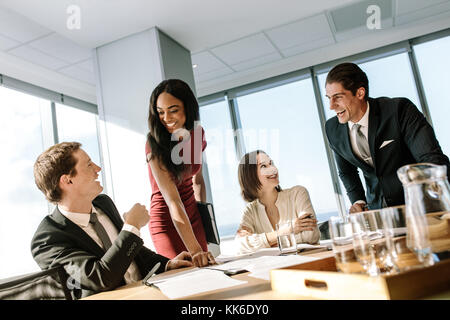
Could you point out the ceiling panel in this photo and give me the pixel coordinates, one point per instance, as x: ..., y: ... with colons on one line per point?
x: 351, y: 21
x: 62, y: 48
x: 256, y: 62
x: 300, y: 32
x: 7, y: 43
x: 245, y: 49
x: 18, y: 27
x: 78, y: 73
x: 408, y: 6
x: 212, y: 75
x: 87, y: 65
x: 416, y: 10
x: 206, y: 62
x: 307, y: 46
x: 37, y: 57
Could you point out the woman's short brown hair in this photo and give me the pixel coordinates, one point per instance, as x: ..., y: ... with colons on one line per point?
x: 51, y: 165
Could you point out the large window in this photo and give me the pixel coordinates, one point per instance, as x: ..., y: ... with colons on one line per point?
x: 284, y: 122
x: 22, y: 205
x: 26, y: 130
x: 434, y: 66
x: 222, y: 167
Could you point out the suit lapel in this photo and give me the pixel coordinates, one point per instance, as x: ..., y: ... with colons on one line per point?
x: 109, y: 209
x: 374, y: 120
x: 82, y: 237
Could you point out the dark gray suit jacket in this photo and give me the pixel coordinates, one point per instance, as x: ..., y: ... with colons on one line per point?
x: 59, y: 241
x: 414, y: 141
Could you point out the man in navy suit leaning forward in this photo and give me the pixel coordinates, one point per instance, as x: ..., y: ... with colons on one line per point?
x: 85, y: 233
x: 376, y: 135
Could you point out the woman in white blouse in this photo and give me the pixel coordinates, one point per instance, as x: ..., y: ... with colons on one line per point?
x: 269, y: 204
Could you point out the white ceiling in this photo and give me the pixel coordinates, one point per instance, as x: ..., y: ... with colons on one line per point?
x: 196, y: 24
x: 228, y: 39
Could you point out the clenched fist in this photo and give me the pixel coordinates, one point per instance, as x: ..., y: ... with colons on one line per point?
x: 137, y: 216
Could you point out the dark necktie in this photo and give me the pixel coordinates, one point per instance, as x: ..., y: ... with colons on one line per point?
x: 362, y: 144
x: 101, y: 232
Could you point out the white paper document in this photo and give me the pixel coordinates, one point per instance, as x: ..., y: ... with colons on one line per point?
x: 194, y: 282
x: 164, y: 276
x: 260, y: 267
x: 262, y: 252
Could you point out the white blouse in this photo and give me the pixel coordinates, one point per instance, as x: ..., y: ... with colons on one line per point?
x: 291, y: 204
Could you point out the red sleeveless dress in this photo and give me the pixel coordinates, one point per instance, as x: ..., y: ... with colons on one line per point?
x: 165, y: 237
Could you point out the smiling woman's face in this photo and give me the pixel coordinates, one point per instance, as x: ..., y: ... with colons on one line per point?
x: 171, y: 112
x: 267, y: 172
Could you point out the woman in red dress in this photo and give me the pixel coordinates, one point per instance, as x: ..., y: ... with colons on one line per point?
x: 174, y: 149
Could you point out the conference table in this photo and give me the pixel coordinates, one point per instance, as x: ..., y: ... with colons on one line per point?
x: 253, y: 289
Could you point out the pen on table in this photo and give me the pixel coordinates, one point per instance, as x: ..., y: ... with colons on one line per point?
x: 152, y: 272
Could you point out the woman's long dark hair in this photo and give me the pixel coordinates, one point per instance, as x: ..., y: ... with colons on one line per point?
x: 158, y: 137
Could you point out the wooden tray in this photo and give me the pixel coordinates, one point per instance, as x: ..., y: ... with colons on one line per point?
x: 319, y: 279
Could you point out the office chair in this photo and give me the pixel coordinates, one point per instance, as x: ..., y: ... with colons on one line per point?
x: 44, y: 285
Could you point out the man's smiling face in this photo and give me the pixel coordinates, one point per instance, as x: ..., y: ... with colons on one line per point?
x: 346, y: 105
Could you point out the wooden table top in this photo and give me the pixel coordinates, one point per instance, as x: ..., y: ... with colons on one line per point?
x: 253, y: 289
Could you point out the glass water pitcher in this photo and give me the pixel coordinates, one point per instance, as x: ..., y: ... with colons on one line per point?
x: 427, y: 202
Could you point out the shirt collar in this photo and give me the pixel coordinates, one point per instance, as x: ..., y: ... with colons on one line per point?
x: 81, y: 219
x: 363, y: 122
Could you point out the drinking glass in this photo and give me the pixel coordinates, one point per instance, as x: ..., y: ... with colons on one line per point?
x: 380, y: 243
x: 394, y: 228
x: 341, y: 238
x: 361, y: 245
x: 286, y: 238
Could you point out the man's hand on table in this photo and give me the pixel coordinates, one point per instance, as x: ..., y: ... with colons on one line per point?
x: 182, y: 260
x: 358, y: 207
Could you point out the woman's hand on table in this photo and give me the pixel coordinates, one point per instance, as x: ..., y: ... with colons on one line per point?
x: 203, y: 259
x: 182, y: 260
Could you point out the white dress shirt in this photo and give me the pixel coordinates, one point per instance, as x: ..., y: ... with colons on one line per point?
x: 364, y: 123
x: 82, y: 220
x: 291, y: 204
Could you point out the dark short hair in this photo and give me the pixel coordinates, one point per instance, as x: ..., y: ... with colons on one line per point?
x: 248, y: 176
x: 51, y: 165
x: 158, y: 137
x: 350, y: 76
